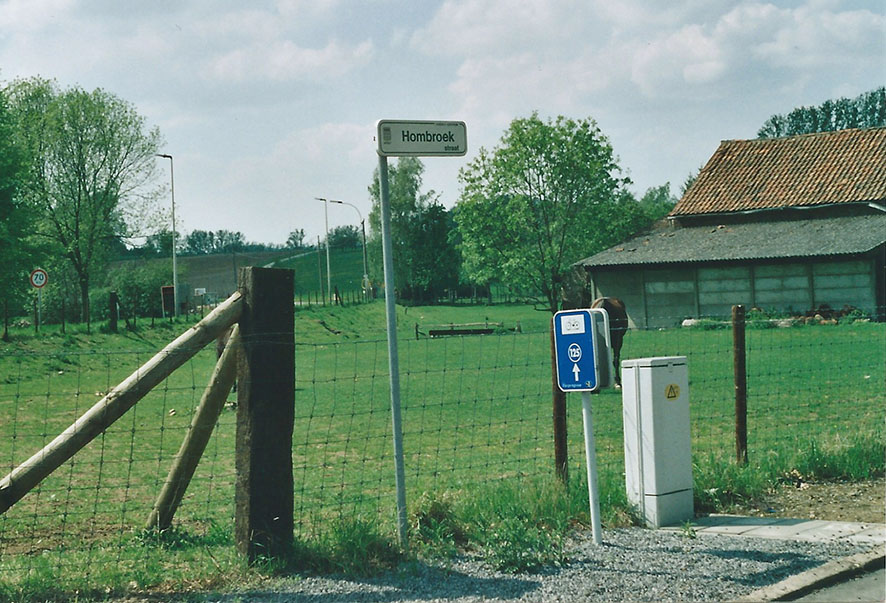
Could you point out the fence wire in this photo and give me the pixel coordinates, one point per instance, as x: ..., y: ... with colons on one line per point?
x: 476, y: 410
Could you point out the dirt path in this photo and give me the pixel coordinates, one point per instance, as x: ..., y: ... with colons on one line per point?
x: 859, y: 501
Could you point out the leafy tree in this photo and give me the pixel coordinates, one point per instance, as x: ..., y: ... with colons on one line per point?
x: 657, y: 201
x: 159, y: 244
x: 90, y: 160
x: 419, y: 231
x: 344, y: 237
x: 549, y: 195
x: 867, y: 110
x: 296, y: 239
x: 200, y: 242
x: 204, y: 242
x: 18, y: 253
x: 138, y: 285
x: 227, y: 241
x: 435, y: 264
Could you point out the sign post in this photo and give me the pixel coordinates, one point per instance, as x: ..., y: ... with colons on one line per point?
x: 398, y: 138
x: 578, y: 355
x: 38, y: 280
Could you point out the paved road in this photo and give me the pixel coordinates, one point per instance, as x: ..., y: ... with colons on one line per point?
x: 867, y: 587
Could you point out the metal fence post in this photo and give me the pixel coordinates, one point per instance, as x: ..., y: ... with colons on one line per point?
x: 265, y: 414
x: 740, y: 376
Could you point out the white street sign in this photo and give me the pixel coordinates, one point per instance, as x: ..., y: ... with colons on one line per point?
x: 422, y: 138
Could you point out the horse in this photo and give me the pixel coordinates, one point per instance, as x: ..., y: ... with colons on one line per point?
x: 618, y: 325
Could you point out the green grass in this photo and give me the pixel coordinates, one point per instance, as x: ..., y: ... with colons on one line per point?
x: 346, y: 267
x: 477, y: 440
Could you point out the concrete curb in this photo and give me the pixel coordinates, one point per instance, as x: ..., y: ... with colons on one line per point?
x: 818, y: 577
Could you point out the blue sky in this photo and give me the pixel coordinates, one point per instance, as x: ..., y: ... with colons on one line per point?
x: 266, y: 104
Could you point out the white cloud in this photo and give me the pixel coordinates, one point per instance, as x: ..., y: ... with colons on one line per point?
x: 807, y: 38
x: 497, y: 27
x: 283, y: 60
x: 685, y: 56
x: 32, y: 15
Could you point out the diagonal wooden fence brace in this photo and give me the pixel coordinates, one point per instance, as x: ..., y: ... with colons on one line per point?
x: 26, y: 476
x: 197, y: 437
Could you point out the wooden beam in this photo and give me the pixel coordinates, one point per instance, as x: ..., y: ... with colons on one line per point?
x: 26, y: 476
x: 211, y: 405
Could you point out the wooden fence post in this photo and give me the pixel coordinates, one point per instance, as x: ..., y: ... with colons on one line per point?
x: 740, y: 376
x: 5, y: 320
x: 265, y: 413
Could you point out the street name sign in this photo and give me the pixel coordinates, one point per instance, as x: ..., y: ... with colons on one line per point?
x: 399, y: 138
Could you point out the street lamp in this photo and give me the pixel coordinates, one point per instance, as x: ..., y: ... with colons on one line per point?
x: 363, y: 228
x: 328, y: 273
x: 174, y: 242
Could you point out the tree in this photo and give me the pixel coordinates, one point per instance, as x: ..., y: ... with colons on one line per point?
x: 205, y: 242
x: 867, y: 110
x: 435, y: 259
x: 419, y: 232
x: 17, y: 250
x: 657, y: 202
x: 549, y: 195
x: 344, y: 237
x: 159, y: 244
x: 200, y: 242
x: 296, y: 239
x: 90, y: 161
x: 227, y: 241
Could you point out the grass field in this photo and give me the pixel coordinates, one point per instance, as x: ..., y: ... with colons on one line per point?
x: 345, y: 266
x: 476, y: 411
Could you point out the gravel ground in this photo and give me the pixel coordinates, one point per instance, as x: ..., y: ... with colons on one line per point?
x: 632, y: 564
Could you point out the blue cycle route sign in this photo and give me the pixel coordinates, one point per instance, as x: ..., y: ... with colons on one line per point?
x: 574, y: 351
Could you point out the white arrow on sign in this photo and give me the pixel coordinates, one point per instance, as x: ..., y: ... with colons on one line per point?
x: 575, y: 371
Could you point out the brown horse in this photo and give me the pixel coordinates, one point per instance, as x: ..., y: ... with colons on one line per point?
x: 618, y: 325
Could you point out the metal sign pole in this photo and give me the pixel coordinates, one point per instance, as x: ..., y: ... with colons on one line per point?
x: 393, y: 359
x: 591, y: 456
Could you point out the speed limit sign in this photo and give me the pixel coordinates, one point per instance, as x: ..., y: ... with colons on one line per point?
x: 39, y: 278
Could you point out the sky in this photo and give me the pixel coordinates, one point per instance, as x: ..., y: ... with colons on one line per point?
x: 265, y: 105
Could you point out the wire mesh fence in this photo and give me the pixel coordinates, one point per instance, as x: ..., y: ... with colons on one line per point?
x: 476, y: 410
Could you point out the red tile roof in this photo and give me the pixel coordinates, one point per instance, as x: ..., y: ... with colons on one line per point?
x: 814, y: 169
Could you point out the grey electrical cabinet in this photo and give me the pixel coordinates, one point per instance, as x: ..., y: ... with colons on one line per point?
x: 658, y: 455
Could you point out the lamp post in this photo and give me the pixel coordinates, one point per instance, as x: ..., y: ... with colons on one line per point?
x: 363, y: 228
x: 174, y: 242
x: 328, y: 273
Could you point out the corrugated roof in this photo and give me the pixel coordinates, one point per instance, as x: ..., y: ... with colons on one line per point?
x: 835, y: 236
x: 814, y: 169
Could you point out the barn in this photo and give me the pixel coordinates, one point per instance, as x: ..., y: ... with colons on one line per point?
x: 787, y: 225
